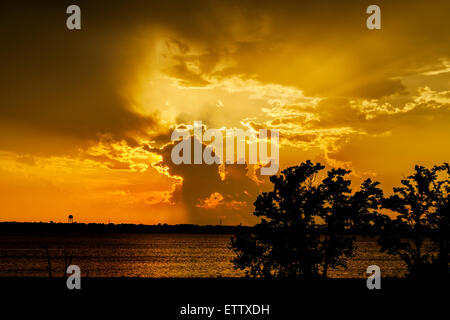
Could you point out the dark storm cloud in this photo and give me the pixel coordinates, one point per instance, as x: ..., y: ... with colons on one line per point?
x: 62, y: 83
x: 200, y: 181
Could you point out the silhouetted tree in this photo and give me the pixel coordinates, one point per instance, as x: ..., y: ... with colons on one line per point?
x: 440, y: 217
x: 305, y: 226
x: 422, y: 205
x: 366, y: 204
x: 336, y: 215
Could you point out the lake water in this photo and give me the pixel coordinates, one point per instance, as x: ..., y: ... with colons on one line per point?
x: 152, y: 255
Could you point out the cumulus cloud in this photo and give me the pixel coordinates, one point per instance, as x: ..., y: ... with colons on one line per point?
x: 211, y: 192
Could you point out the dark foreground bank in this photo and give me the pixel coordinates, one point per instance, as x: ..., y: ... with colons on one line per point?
x: 229, y: 298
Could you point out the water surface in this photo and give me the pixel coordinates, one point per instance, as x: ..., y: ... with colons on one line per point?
x: 152, y: 255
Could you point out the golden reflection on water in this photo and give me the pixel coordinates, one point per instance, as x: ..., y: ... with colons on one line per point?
x: 154, y: 255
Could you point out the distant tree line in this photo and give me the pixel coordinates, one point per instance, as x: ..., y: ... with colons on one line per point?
x: 36, y: 227
x: 308, y: 225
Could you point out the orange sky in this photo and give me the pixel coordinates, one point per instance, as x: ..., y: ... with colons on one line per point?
x: 86, y: 116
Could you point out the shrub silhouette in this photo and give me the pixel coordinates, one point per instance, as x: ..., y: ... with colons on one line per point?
x: 422, y: 205
x: 306, y: 224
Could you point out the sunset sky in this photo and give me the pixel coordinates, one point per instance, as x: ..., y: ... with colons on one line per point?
x: 86, y: 115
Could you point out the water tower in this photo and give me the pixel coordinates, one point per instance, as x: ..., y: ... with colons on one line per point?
x: 70, y: 218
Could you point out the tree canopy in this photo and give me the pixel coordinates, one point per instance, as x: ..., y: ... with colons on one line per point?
x: 308, y: 225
